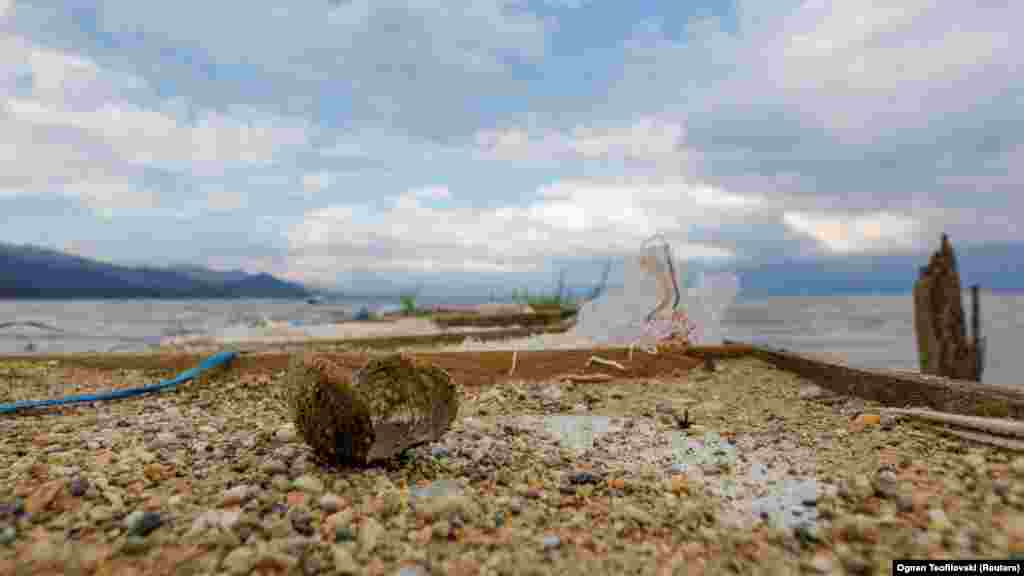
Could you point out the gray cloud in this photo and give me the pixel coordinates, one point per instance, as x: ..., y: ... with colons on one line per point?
x: 855, y: 127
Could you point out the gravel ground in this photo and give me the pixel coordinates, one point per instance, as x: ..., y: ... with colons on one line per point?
x: 744, y: 469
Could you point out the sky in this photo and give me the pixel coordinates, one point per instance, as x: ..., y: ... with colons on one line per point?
x: 342, y: 143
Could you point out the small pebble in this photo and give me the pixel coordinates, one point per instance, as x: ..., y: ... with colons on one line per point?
x: 302, y: 522
x: 551, y: 542
x: 937, y: 520
x: 286, y: 434
x: 7, y: 535
x: 583, y: 477
x: 78, y: 487
x: 236, y: 495
x: 312, y: 565
x: 439, y: 451
x: 889, y: 421
x: 164, y: 439
x: 331, y: 503
x: 141, y: 523
x: 856, y: 565
x: 811, y: 392
x: 905, y: 502
x: 1001, y: 487
x: 344, y: 534
x: 273, y: 466
x: 308, y: 483
x: 806, y: 531
x: 886, y: 483
x: 413, y: 570
x: 823, y: 563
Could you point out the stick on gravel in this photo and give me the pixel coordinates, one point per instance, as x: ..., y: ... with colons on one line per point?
x: 1000, y: 441
x: 994, y: 425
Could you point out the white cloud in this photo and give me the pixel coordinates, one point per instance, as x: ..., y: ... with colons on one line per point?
x: 111, y: 197
x: 574, y: 218
x: 648, y: 138
x: 149, y: 137
x: 391, y: 60
x: 323, y: 227
x: 710, y: 196
x: 868, y: 232
x: 76, y: 133
x: 861, y: 67
x: 768, y: 127
x: 839, y: 108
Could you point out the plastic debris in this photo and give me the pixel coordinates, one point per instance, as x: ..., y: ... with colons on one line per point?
x: 650, y: 307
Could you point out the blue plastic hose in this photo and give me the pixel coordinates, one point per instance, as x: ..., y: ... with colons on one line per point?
x: 211, y: 362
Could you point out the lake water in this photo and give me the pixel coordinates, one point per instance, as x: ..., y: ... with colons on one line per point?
x: 870, y: 331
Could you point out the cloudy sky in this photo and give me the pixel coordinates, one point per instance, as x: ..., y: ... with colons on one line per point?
x: 330, y: 140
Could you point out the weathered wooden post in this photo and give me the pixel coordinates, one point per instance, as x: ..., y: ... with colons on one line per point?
x: 942, y: 343
x: 977, y: 339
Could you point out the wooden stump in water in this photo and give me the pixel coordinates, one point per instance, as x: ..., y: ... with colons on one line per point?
x: 942, y: 343
x: 391, y: 404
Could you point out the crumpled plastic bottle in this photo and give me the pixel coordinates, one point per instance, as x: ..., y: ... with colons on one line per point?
x: 623, y: 316
x: 618, y: 316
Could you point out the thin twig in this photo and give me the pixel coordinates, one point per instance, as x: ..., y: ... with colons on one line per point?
x: 587, y: 377
x: 599, y: 360
x: 1001, y: 441
x: 993, y: 425
x: 515, y: 354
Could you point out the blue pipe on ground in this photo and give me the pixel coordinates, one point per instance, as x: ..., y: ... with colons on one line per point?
x: 210, y: 363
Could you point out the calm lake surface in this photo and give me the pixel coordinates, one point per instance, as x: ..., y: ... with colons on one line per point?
x: 870, y: 331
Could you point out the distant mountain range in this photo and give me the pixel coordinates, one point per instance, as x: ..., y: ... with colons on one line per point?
x: 995, y: 267
x: 34, y: 272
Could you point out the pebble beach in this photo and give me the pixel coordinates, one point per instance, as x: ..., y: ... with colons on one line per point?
x: 738, y: 469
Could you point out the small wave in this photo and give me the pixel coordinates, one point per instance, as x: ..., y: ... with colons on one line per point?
x: 32, y: 324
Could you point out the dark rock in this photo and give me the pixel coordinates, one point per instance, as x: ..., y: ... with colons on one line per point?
x: 144, y: 523
x: 78, y: 487
x: 344, y: 534
x: 583, y: 477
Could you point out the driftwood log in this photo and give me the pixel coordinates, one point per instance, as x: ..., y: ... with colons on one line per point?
x: 942, y: 343
x: 902, y: 389
x: 392, y: 403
